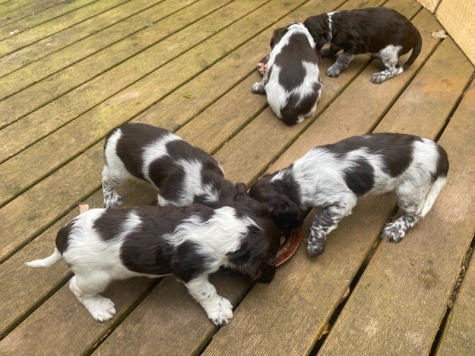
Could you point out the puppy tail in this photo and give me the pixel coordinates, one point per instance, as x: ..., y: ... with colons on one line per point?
x: 46, y: 262
x: 432, y: 195
x: 415, y: 52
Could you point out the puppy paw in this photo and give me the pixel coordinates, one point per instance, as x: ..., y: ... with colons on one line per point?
x: 222, y: 313
x: 315, y: 249
x: 378, y: 78
x: 258, y: 88
x: 394, y: 232
x: 333, y: 71
x: 101, y: 309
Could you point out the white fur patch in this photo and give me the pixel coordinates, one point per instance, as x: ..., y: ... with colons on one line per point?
x: 155, y: 150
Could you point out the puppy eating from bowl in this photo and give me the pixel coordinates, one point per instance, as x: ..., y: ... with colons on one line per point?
x: 333, y: 176
x: 291, y: 80
x: 102, y: 245
x: 382, y: 32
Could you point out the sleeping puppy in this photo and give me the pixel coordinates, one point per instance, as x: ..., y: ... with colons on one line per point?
x: 332, y: 177
x: 292, y: 78
x: 382, y: 32
x: 102, y: 245
x: 183, y: 174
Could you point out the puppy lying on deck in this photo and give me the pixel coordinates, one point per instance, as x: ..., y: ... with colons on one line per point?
x: 189, y: 242
x: 183, y: 174
x: 292, y: 79
x: 331, y: 177
x: 382, y: 32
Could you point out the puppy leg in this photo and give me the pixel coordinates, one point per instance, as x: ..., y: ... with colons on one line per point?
x: 342, y: 62
x: 325, y: 222
x: 390, y: 58
x: 258, y: 88
x: 111, y: 177
x: 87, y: 289
x: 218, y: 309
x: 410, y: 199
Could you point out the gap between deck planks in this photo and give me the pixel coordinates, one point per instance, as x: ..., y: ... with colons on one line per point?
x: 15, y: 10
x: 41, y: 59
x: 40, y: 17
x: 28, y: 37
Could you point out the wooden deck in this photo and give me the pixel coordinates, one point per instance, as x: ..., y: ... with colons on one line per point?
x: 72, y: 70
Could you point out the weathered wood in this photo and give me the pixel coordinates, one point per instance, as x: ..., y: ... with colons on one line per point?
x: 14, y: 10
x: 63, y: 326
x: 55, y: 25
x: 458, y: 337
x: 40, y: 17
x: 37, y: 60
x: 138, y: 96
x: 81, y: 99
x: 408, y: 284
x: 459, y: 334
x: 67, y: 107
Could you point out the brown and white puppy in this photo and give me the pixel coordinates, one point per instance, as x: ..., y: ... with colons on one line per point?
x: 382, y: 32
x: 291, y: 80
x: 102, y: 245
x: 332, y: 177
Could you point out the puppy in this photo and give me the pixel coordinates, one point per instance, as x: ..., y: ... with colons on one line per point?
x: 331, y: 177
x: 102, y: 245
x: 292, y: 78
x: 183, y: 174
x: 382, y: 32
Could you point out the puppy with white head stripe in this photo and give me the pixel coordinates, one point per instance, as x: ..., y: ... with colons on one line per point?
x: 183, y: 174
x: 382, y: 32
x: 292, y: 78
x: 332, y: 177
x: 102, y: 245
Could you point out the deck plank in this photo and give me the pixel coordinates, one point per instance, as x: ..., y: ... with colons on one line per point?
x: 55, y: 25
x: 38, y: 60
x: 14, y: 10
x: 458, y: 337
x: 40, y: 17
x: 401, y: 298
x: 80, y: 82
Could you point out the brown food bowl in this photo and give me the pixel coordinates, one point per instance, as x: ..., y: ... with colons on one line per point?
x: 288, y: 246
